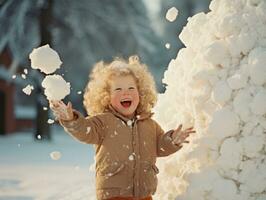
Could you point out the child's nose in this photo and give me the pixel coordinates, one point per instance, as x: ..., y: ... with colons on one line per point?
x: 126, y: 91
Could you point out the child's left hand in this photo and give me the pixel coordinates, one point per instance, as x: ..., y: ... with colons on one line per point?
x: 180, y: 136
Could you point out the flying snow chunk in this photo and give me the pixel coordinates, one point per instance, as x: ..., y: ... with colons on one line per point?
x: 45, y: 59
x: 27, y: 90
x: 50, y: 121
x: 14, y: 76
x: 23, y: 76
x: 25, y: 71
x: 55, y: 87
x: 171, y: 14
x: 167, y: 45
x: 55, y: 155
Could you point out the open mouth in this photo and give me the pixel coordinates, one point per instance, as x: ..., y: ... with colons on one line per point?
x: 126, y: 103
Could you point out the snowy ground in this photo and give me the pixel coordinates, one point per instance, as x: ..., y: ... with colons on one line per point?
x: 27, y: 171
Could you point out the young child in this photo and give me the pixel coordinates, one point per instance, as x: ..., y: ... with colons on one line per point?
x: 119, y: 98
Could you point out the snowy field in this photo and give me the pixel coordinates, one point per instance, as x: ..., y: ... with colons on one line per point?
x: 27, y: 172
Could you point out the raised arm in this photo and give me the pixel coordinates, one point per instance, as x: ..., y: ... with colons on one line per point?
x: 165, y: 145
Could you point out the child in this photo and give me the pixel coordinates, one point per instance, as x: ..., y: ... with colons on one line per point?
x: 119, y: 98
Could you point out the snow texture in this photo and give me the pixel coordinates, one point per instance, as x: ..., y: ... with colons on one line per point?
x: 217, y: 83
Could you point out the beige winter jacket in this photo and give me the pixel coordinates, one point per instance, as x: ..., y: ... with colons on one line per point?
x: 126, y: 151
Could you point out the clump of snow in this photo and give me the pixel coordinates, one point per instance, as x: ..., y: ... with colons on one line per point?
x: 25, y: 71
x: 167, y: 45
x: 56, y: 88
x: 23, y: 76
x: 131, y: 157
x: 55, y: 155
x: 50, y: 121
x: 28, y: 89
x: 88, y: 130
x: 221, y: 91
x: 14, y: 76
x: 171, y: 14
x: 45, y: 59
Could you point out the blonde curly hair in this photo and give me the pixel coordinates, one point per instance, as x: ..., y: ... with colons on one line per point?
x: 97, y: 92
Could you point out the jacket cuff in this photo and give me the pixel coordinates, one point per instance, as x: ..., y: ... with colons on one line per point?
x: 78, y: 117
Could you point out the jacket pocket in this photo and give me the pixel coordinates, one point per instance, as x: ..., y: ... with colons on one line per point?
x: 112, y: 176
x: 149, y: 174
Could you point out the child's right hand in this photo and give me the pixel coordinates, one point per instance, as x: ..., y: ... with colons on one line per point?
x: 61, y: 110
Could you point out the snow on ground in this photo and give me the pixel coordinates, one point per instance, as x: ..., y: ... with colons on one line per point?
x: 27, y: 172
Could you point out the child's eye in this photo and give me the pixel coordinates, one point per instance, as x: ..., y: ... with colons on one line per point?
x: 131, y: 88
x: 118, y: 89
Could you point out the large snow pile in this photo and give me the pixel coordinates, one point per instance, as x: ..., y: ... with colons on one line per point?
x: 217, y: 84
x: 48, y: 61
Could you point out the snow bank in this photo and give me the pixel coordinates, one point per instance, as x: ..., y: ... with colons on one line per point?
x: 217, y: 84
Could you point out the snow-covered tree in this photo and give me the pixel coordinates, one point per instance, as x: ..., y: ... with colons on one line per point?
x: 217, y: 83
x: 82, y: 32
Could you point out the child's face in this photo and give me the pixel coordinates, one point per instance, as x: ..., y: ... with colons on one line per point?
x: 124, y: 95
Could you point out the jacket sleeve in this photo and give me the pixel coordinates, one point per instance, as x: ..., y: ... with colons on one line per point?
x: 165, y: 145
x: 89, y: 130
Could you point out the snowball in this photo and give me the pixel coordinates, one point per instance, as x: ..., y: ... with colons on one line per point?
x: 252, y: 177
x: 171, y: 14
x: 217, y: 54
x: 237, y: 81
x: 224, y: 189
x: 55, y: 155
x: 221, y: 92
x: 241, y: 104
x: 224, y: 123
x: 45, y: 59
x: 56, y: 88
x: 258, y: 105
x: 230, y: 154
x: 228, y: 25
x: 257, y: 66
x: 250, y: 149
x: 28, y: 89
